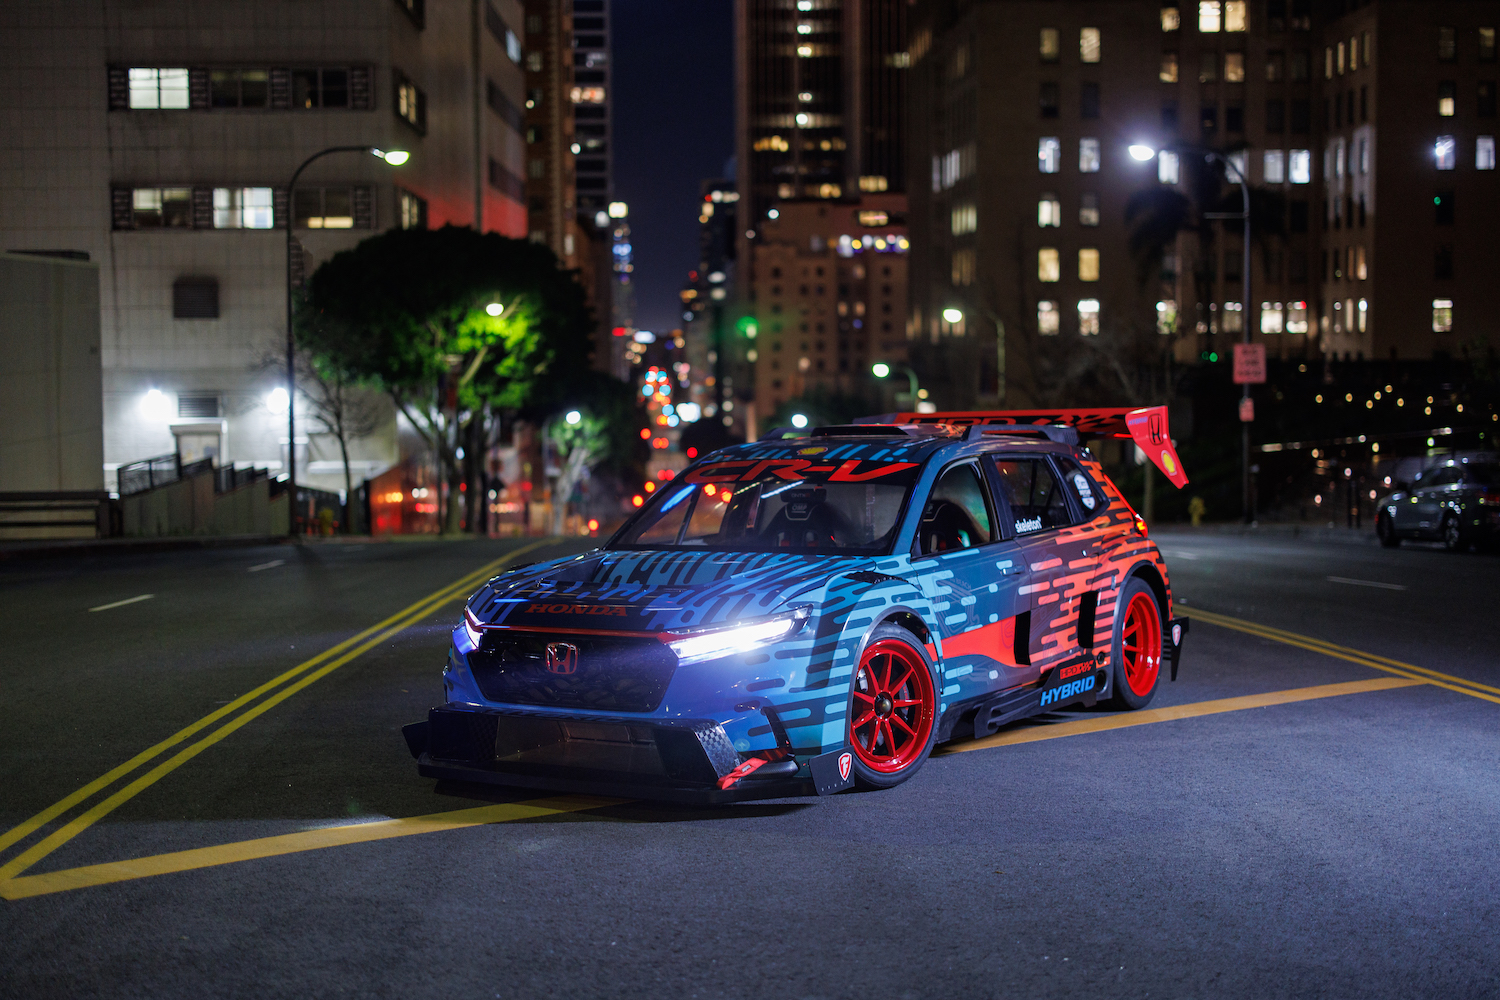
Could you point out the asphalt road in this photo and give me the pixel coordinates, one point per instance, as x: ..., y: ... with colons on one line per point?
x: 1338, y: 840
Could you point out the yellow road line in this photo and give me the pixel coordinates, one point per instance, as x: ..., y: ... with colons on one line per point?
x: 1125, y: 720
x: 1471, y: 688
x: 395, y: 623
x: 292, y: 843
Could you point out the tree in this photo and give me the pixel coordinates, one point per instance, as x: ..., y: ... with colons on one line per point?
x: 456, y: 326
x: 346, y: 408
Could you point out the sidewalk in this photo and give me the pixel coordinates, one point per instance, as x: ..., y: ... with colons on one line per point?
x: 101, y: 546
x: 1316, y: 532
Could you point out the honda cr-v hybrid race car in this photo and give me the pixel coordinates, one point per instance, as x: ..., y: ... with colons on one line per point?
x: 804, y: 614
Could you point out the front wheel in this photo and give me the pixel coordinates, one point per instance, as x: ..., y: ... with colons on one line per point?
x: 1454, y: 539
x: 1386, y: 531
x: 892, y: 709
x: 1136, y: 652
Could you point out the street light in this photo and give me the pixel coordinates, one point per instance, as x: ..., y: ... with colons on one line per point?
x: 799, y: 420
x: 395, y: 157
x: 881, y: 369
x: 953, y: 315
x: 494, y: 308
x: 574, y: 417
x: 1232, y: 170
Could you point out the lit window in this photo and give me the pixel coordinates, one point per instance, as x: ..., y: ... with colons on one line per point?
x: 162, y: 208
x: 1299, y: 166
x: 804, y: 28
x: 1050, y: 45
x: 1238, y: 167
x: 1236, y: 16
x: 1088, y: 317
x: 1166, y: 317
x: 1447, y: 91
x: 963, y: 266
x: 1171, y: 19
x: 1270, y: 317
x: 591, y: 95
x: 244, y: 208
x: 411, y: 103
x: 1445, y: 152
x: 1049, y: 154
x: 512, y: 46
x: 1208, y: 16
x: 1168, y: 73
x: 411, y: 211
x: 804, y: 51
x: 534, y: 61
x: 1338, y: 159
x: 1338, y: 58
x: 1088, y: 264
x: 1484, y: 153
x: 1274, y: 166
x: 1364, y: 155
x: 1296, y: 317
x: 1048, y: 264
x: 1088, y: 156
x: 1048, y: 211
x: 1361, y: 269
x: 1088, y: 209
x: 1328, y: 63
x: 1353, y: 53
x: 965, y: 219
x: 1486, y: 46
x: 1364, y: 314
x: 1088, y: 45
x: 158, y: 88
x: 1234, y: 67
x: 1442, y: 315
x: 1168, y: 167
x: 1048, y: 317
x: 1234, y: 317
x: 323, y: 208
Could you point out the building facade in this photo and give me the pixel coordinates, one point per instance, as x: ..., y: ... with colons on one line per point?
x: 1071, y: 266
x: 159, y: 138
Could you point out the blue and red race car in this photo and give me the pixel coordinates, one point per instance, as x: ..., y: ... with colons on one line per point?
x: 815, y: 611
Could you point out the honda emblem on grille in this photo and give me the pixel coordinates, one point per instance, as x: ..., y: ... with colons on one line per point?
x: 846, y: 761
x: 562, y: 658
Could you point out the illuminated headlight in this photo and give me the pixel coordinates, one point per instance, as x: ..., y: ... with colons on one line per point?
x: 741, y: 637
x: 472, y: 629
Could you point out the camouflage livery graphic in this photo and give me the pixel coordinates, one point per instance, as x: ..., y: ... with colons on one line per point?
x: 803, y: 615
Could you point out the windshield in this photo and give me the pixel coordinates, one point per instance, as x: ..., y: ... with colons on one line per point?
x: 851, y: 507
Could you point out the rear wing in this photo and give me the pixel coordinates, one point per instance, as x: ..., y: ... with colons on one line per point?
x: 1146, y: 426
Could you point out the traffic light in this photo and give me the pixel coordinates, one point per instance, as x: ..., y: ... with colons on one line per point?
x: 748, y: 327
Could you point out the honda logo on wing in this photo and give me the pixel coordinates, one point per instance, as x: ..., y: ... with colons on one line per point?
x: 562, y: 658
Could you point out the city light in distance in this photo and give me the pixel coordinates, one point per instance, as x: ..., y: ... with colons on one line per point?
x: 618, y: 210
x: 573, y: 417
x: 276, y: 400
x: 1142, y: 152
x: 494, y: 309
x: 953, y: 315
x: 880, y: 369
x: 689, y: 412
x: 637, y: 500
x: 799, y: 420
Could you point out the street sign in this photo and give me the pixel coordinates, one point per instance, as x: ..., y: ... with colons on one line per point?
x: 1249, y: 364
x: 1247, y: 410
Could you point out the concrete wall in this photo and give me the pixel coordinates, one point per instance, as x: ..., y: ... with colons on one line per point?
x: 51, y: 419
x: 190, y: 507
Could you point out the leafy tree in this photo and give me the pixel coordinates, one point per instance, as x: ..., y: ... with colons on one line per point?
x: 346, y: 408
x: 456, y: 326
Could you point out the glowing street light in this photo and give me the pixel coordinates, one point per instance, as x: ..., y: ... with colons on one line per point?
x: 880, y: 369
x: 799, y: 420
x: 573, y: 417
x: 1142, y: 152
x: 494, y: 308
x: 395, y: 157
x: 953, y: 315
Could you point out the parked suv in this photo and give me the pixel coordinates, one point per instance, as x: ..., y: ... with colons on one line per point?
x: 1457, y: 503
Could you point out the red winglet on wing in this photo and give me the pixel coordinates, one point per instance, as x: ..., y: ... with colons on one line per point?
x: 1146, y: 426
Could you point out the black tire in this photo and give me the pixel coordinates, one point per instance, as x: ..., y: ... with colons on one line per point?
x: 1386, y: 531
x: 1455, y: 539
x: 1136, y: 601
x: 899, y: 644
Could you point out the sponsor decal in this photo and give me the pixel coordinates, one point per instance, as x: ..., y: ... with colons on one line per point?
x: 562, y: 658
x: 1156, y: 426
x: 1168, y: 464
x: 852, y: 471
x: 612, y: 611
x: 1065, y: 691
x: 846, y: 761
x: 811, y: 451
x: 1075, y: 669
x: 1029, y: 524
x: 1177, y: 635
x: 1085, y: 490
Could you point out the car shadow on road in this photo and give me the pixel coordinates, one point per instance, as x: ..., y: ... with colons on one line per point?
x: 635, y: 811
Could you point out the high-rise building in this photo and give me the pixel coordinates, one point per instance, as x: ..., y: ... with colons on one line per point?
x: 1050, y: 264
x: 590, y: 94
x: 159, y: 137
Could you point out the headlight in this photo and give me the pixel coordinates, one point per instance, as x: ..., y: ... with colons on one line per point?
x: 741, y: 637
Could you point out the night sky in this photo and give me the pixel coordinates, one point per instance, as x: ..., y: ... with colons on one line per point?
x: 673, y: 111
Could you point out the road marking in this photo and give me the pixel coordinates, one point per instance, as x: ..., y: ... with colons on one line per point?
x: 1374, y: 662
x: 1366, y: 583
x: 121, y: 604
x: 293, y: 843
x: 266, y: 565
x: 1179, y: 554
x: 1057, y: 730
x: 384, y: 630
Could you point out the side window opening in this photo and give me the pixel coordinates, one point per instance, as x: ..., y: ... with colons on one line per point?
x: 1036, y: 497
x: 957, y: 513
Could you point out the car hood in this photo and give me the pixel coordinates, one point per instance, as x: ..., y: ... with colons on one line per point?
x: 648, y: 591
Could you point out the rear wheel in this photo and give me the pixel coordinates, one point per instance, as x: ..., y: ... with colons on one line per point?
x: 1137, y: 648
x: 892, y: 709
x: 1386, y: 531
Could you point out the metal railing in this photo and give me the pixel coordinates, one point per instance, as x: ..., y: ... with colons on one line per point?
x: 149, y: 473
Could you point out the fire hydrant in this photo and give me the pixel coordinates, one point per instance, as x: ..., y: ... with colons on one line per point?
x: 1196, y: 509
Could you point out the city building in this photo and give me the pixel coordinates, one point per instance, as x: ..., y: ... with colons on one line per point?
x: 159, y: 137
x: 1048, y: 262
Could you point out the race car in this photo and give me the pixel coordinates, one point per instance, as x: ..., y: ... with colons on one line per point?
x: 814, y: 611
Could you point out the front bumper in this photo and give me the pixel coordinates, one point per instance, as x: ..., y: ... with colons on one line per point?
x: 674, y: 760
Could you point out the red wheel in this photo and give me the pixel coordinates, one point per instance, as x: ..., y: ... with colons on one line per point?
x: 1138, y: 645
x: 893, y: 708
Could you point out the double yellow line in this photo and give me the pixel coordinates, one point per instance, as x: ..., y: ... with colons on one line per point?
x: 1471, y: 688
x: 284, y: 686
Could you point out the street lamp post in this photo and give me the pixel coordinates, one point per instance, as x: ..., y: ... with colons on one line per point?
x: 882, y: 369
x: 1236, y: 174
x: 395, y: 157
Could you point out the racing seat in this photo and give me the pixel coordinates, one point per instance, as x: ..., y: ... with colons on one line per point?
x: 819, y: 526
x: 945, y: 527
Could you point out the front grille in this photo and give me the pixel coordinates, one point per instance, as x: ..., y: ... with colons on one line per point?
x: 613, y: 674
